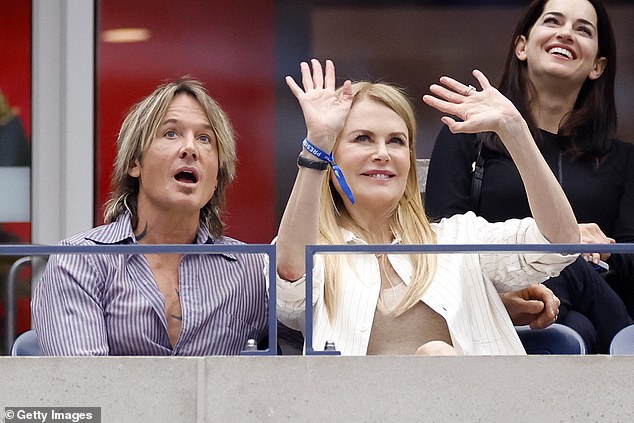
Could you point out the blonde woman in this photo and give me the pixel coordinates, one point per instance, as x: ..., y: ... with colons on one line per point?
x: 405, y: 304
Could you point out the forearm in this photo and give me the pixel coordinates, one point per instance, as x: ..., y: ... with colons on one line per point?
x: 548, y: 203
x: 300, y: 223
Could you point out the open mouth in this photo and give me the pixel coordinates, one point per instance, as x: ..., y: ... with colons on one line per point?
x: 559, y: 51
x: 186, y: 177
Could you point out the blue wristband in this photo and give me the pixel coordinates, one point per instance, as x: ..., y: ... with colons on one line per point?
x: 322, y: 155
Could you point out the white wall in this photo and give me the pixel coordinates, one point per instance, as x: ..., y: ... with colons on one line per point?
x: 325, y: 389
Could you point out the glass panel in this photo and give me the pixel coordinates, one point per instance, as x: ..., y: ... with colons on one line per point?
x: 15, y: 156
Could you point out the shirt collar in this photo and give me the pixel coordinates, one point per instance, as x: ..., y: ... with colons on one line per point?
x: 350, y: 237
x: 120, y: 232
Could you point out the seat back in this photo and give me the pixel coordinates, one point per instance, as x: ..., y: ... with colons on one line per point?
x: 26, y: 344
x: 623, y: 342
x: 555, y: 339
x: 422, y: 165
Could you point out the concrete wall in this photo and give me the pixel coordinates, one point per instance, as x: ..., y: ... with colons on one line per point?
x: 317, y: 389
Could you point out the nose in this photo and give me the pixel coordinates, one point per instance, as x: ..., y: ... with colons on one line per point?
x: 188, y: 147
x: 380, y: 153
x: 565, y: 32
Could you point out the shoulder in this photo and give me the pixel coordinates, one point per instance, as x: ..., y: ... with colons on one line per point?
x: 621, y: 147
x: 457, y: 227
x: 446, y: 134
x: 111, y: 233
x: 449, y: 146
x: 225, y: 240
x: 250, y: 259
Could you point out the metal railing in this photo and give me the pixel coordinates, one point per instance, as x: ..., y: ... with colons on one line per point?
x: 311, y: 250
x: 28, y: 251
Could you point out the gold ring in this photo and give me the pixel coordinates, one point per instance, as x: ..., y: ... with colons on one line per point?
x: 469, y: 89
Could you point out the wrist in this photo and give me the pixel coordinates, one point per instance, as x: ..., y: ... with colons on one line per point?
x: 311, y: 162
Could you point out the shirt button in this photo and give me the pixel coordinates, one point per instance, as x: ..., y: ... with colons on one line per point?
x: 363, y: 328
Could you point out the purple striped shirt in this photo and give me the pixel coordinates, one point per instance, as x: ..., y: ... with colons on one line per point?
x: 111, y: 305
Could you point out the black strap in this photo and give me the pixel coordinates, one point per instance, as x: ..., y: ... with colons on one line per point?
x: 476, y: 181
x: 311, y: 164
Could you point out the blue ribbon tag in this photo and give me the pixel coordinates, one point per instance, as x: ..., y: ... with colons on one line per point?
x: 322, y: 155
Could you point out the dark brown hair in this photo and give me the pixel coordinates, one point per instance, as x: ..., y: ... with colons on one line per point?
x: 592, y: 122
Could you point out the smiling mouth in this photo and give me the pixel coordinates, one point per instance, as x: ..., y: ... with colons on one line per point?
x: 561, y: 52
x: 186, y: 177
x: 380, y: 176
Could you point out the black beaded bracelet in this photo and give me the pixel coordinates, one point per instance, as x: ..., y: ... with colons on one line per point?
x: 311, y: 164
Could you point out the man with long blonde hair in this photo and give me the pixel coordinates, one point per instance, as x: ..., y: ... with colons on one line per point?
x: 176, y: 156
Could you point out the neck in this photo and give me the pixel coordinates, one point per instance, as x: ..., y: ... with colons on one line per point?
x: 157, y: 228
x: 375, y: 226
x: 551, y: 103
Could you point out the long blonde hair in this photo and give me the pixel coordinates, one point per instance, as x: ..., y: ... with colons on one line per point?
x: 138, y: 132
x: 408, y: 222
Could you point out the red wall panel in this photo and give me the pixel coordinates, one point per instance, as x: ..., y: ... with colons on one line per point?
x: 225, y: 44
x: 15, y: 57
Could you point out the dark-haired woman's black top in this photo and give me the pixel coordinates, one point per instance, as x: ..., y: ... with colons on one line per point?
x: 602, y: 194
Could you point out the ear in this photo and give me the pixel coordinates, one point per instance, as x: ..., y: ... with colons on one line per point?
x: 600, y: 63
x: 135, y: 169
x: 520, y: 48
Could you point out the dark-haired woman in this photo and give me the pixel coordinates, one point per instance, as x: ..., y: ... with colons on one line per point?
x: 560, y: 75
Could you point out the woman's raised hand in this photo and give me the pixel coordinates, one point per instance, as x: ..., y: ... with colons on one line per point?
x: 477, y: 111
x: 325, y: 113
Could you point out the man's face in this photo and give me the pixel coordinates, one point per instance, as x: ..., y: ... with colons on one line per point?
x: 179, y: 170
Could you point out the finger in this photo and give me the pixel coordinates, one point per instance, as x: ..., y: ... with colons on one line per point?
x: 611, y: 240
x: 586, y: 256
x: 446, y: 94
x: 457, y: 86
x: 347, y: 91
x: 532, y: 307
x: 318, y: 76
x: 330, y: 78
x: 483, y: 80
x: 295, y: 89
x: 456, y: 127
x: 543, y: 321
x: 307, y: 80
x: 438, y: 104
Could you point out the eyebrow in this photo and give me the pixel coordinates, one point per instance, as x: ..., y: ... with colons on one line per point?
x: 582, y: 20
x: 174, y: 121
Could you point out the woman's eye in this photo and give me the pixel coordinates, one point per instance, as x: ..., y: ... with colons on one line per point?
x: 204, y: 138
x: 397, y: 140
x: 362, y: 138
x: 551, y: 20
x: 170, y: 134
x: 585, y: 30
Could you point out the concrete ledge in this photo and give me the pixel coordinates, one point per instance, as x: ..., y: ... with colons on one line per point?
x: 241, y: 389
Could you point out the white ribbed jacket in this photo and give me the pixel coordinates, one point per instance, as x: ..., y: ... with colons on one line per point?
x: 464, y: 289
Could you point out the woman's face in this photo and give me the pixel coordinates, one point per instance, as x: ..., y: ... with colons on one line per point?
x: 563, y: 43
x: 373, y: 153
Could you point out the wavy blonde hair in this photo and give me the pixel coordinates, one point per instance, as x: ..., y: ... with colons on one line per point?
x: 138, y: 132
x: 408, y: 221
